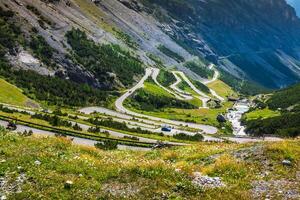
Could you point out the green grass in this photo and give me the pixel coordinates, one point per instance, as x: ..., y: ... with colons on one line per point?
x: 98, y: 174
x: 222, y: 88
x: 154, y: 89
x: 265, y: 113
x: 186, y: 88
x: 203, y: 116
x: 95, y: 14
x: 10, y: 94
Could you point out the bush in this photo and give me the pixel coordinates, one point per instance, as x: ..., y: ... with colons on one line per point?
x: 53, y: 120
x: 76, y: 127
x: 131, y: 138
x: 26, y: 133
x: 182, y: 136
x: 107, y: 145
x: 116, y: 125
x: 94, y: 129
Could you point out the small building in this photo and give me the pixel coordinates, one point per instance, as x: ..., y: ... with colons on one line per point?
x: 233, y: 99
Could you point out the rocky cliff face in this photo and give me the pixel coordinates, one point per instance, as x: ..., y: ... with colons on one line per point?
x: 258, y: 40
x: 296, y: 5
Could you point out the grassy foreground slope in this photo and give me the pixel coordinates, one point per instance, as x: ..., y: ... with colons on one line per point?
x: 12, y: 95
x: 38, y: 168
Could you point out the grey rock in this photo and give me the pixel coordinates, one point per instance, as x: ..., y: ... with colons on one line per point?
x: 286, y: 162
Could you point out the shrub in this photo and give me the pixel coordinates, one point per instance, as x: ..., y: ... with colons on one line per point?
x: 182, y: 136
x: 107, y: 145
x: 76, y: 127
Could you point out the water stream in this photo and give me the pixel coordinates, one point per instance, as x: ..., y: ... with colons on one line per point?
x: 234, y: 115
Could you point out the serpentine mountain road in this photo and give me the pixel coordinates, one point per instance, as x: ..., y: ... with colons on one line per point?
x: 120, y: 108
x: 203, y: 97
x: 155, y: 73
x: 116, y: 134
x: 215, y: 77
x: 75, y: 140
x: 184, y: 94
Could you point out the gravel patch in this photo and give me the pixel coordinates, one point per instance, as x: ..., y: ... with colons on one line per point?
x: 275, y: 189
x: 206, y: 181
x: 9, y: 186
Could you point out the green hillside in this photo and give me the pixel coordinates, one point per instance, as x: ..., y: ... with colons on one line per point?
x: 10, y: 94
x: 285, y: 98
x: 280, y: 117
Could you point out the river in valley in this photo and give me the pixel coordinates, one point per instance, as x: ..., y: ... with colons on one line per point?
x: 234, y: 115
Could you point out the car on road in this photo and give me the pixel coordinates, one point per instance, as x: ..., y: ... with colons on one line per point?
x: 166, y: 128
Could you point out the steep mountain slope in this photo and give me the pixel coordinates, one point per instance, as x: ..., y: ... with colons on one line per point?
x: 296, y: 5
x: 258, y: 40
x: 237, y: 35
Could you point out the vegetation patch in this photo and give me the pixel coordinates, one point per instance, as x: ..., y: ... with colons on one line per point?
x: 242, y: 86
x: 53, y: 90
x: 170, y: 53
x: 278, y: 115
x: 285, y: 125
x: 222, y: 88
x: 42, y: 50
x: 200, y: 68
x: 285, y: 98
x: 152, y: 97
x: 182, y: 136
x: 117, y: 125
x: 166, y: 78
x: 104, y: 61
x: 126, y: 39
x: 261, y: 114
x: 49, y: 163
x: 201, y: 86
x: 10, y: 94
x: 42, y: 19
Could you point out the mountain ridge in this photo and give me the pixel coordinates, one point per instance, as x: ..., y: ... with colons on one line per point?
x: 235, y: 33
